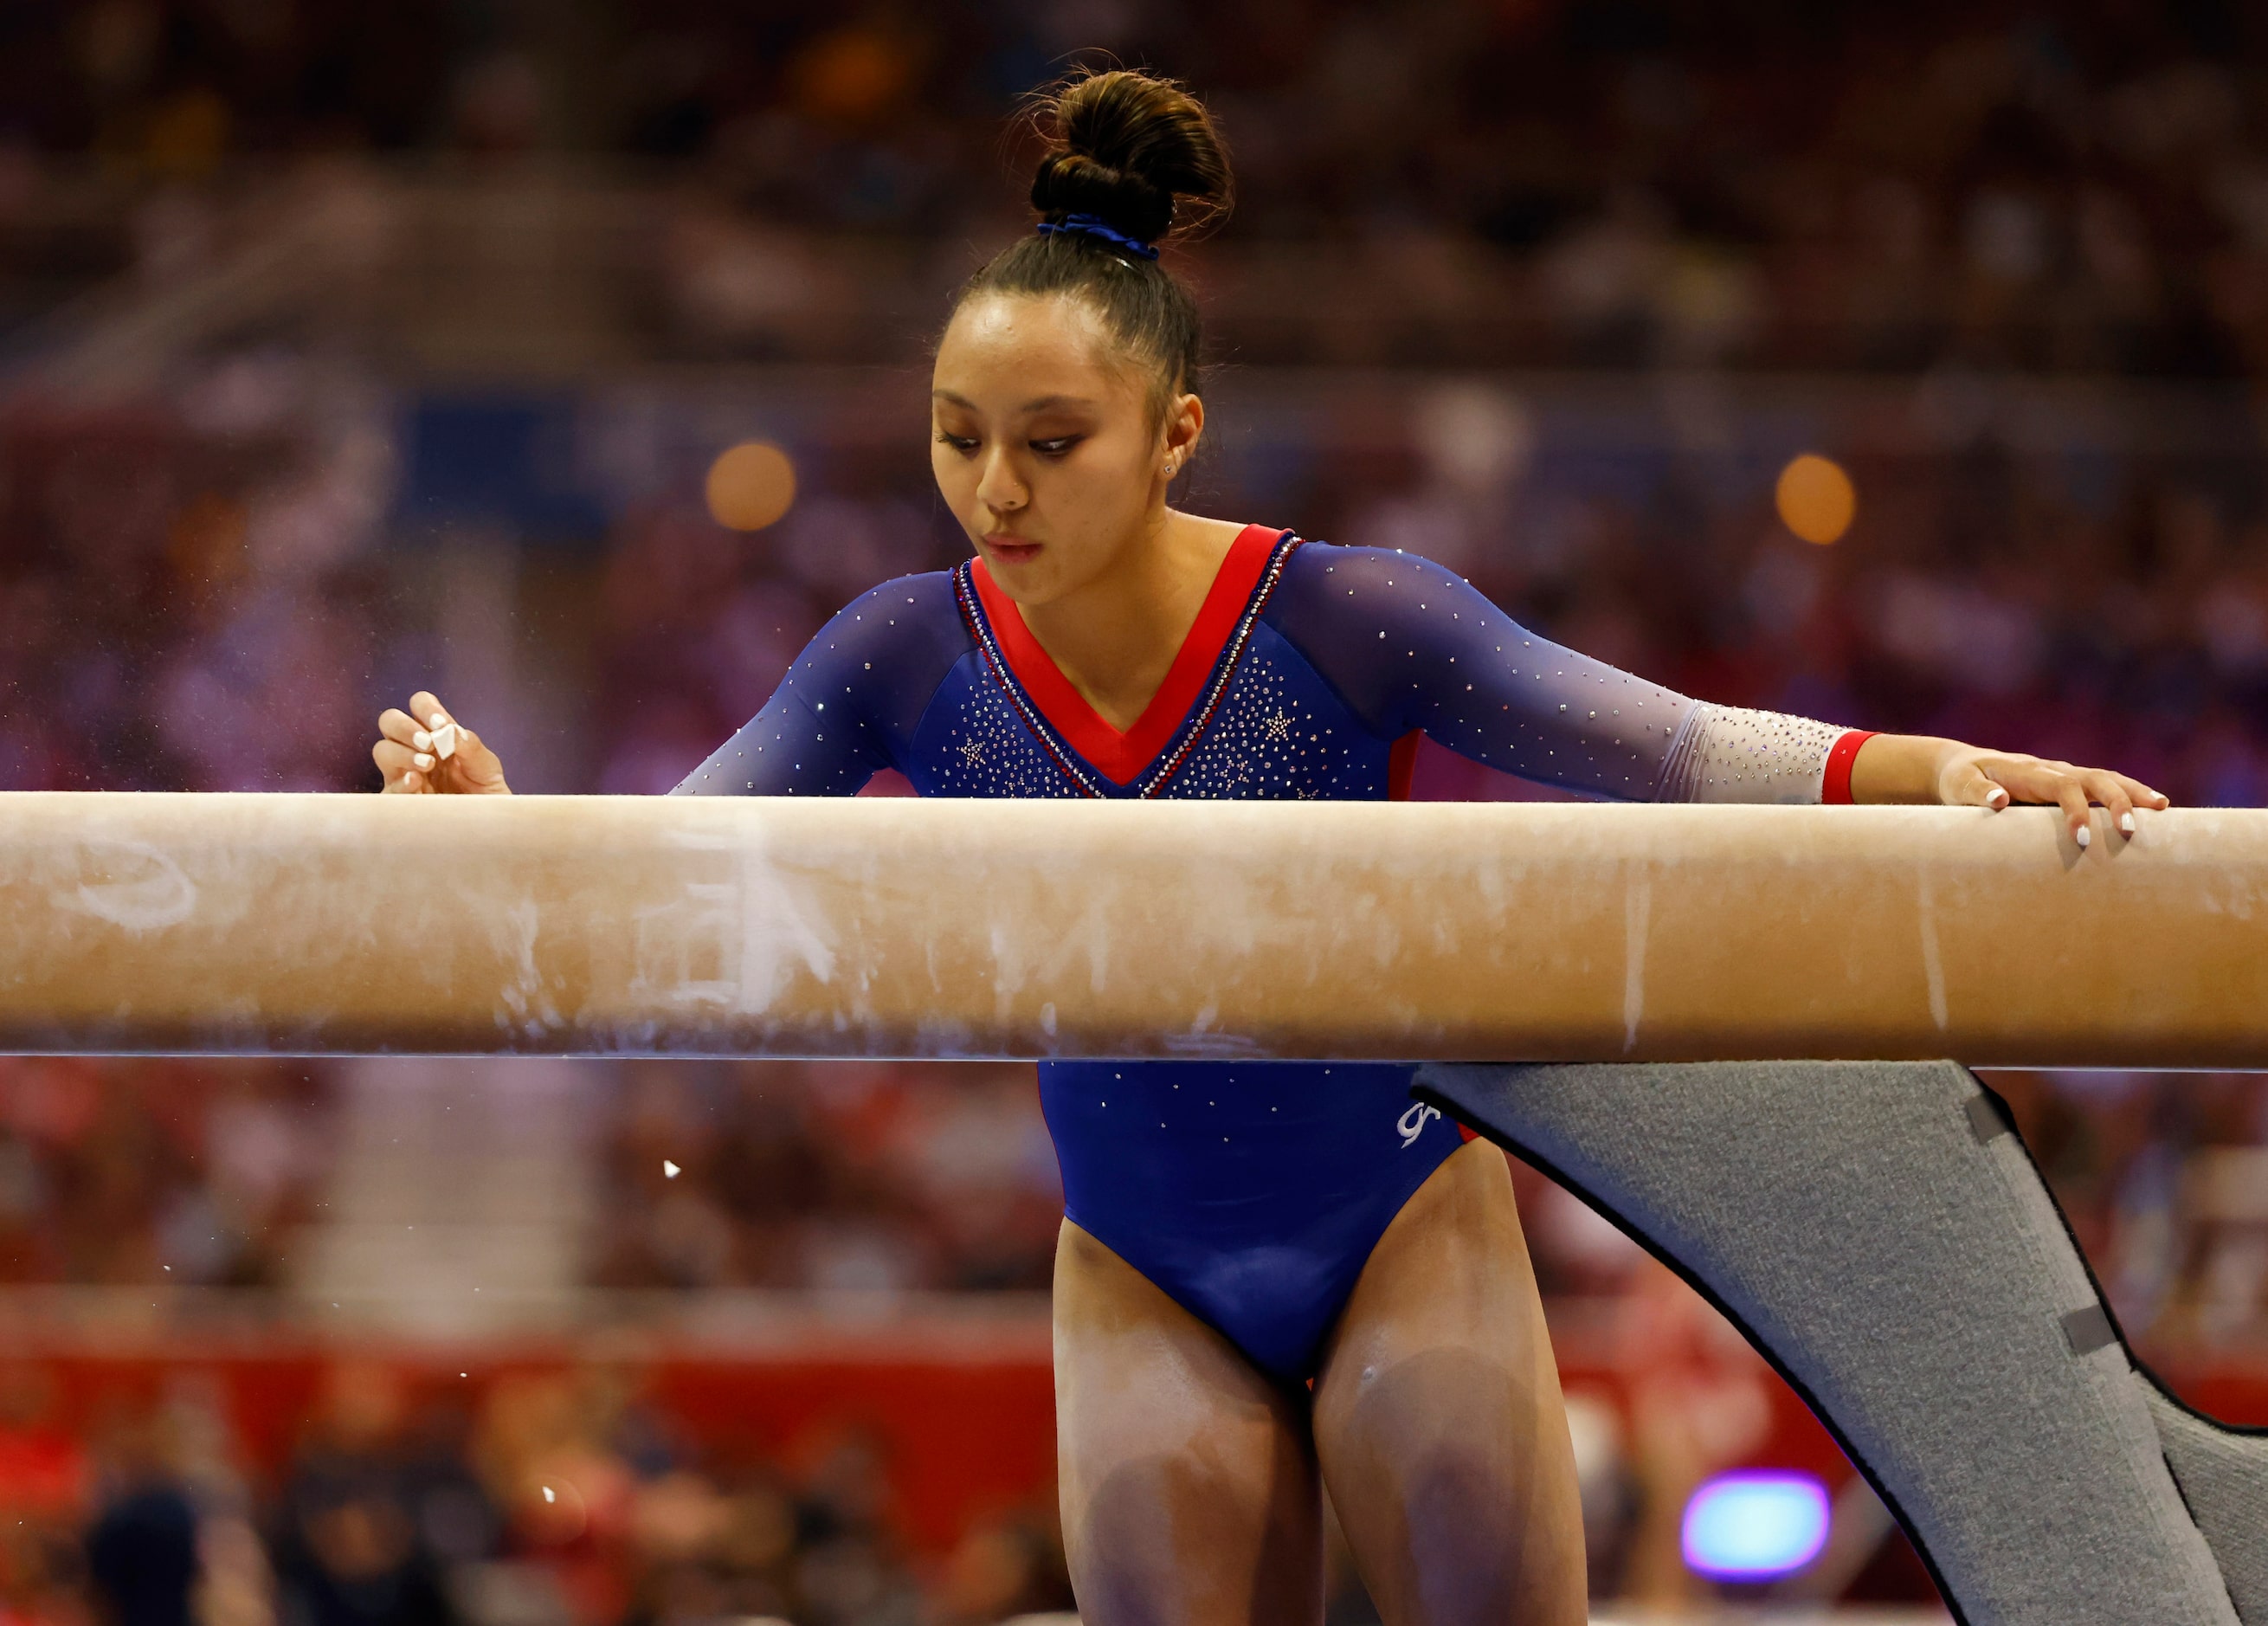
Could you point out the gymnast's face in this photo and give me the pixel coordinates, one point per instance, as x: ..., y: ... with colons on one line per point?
x: 1047, y: 443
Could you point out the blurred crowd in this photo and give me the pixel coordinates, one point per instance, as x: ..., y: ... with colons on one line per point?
x: 129, y: 1173
x: 184, y: 598
x: 2083, y: 188
x: 835, y: 1176
x: 540, y: 1497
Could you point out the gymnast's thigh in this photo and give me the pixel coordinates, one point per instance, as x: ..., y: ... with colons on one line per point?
x: 1188, y: 1478
x: 1438, y: 1420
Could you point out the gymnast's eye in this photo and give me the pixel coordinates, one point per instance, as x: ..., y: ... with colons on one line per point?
x: 1058, y: 447
x: 963, y: 444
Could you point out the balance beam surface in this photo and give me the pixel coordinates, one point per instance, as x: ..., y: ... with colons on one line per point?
x: 899, y: 927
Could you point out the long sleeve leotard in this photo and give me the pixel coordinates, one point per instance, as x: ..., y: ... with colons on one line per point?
x: 1252, y: 1193
x: 1308, y: 665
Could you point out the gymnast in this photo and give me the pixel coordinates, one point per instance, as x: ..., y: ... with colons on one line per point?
x: 1273, y: 1279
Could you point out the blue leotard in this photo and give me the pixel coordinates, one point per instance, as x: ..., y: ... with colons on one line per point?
x: 1252, y: 1193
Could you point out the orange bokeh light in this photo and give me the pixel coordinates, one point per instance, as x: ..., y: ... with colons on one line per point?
x: 1815, y: 498
x: 750, y: 486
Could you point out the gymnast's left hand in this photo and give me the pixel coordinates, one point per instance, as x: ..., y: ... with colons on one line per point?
x: 1914, y: 768
x: 410, y: 767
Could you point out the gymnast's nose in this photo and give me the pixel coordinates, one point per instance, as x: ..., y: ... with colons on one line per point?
x: 1000, y: 490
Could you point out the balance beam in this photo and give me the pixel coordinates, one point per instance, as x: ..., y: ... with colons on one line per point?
x: 879, y: 927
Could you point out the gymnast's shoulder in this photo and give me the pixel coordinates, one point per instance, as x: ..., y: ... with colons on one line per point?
x: 906, y: 623
x: 1326, y: 586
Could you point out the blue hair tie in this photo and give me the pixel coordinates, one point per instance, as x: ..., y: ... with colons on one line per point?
x: 1096, y: 226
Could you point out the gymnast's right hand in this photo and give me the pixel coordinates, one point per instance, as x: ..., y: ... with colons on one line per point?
x: 410, y: 757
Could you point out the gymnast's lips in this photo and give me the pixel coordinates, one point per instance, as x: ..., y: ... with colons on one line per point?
x: 1010, y: 550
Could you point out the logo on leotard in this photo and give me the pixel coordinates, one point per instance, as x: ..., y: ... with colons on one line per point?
x: 1412, y: 1123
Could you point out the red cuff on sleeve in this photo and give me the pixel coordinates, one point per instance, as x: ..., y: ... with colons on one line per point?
x: 1835, y: 785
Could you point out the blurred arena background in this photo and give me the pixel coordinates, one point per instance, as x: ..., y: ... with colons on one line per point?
x: 1897, y: 365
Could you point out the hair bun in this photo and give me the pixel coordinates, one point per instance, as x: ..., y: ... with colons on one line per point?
x: 1140, y: 153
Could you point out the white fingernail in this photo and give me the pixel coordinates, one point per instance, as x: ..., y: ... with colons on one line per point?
x: 2126, y: 822
x: 436, y: 721
x: 2085, y: 837
x: 422, y: 760
x: 422, y: 740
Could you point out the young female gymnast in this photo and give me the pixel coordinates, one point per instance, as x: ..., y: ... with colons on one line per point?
x: 1272, y: 1278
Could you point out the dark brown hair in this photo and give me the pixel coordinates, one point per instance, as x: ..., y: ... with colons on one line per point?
x: 1141, y: 155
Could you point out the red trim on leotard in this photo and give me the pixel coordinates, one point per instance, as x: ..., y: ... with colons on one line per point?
x: 1401, y: 766
x: 1123, y: 757
x: 1835, y: 784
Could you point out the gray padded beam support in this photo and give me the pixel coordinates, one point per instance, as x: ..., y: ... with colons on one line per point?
x: 1881, y: 1237
x: 2223, y: 1473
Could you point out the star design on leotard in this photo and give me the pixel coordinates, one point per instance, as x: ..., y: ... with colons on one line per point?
x: 1279, y: 727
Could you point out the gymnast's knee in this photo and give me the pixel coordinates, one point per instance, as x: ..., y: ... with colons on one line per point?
x: 1175, y: 1537
x: 1445, y: 1466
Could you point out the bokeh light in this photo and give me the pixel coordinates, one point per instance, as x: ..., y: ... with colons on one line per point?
x: 853, y: 75
x: 1815, y: 498
x: 750, y: 486
x: 1753, y: 1525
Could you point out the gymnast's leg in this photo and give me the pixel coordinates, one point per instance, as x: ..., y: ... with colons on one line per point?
x: 1438, y: 1420
x: 1189, y: 1494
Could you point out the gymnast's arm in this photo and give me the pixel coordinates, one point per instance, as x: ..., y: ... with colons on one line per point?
x: 796, y: 746
x: 839, y: 717
x: 849, y: 706
x: 1415, y: 649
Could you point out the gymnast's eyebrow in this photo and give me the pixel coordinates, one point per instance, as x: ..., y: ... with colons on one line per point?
x: 1039, y: 404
